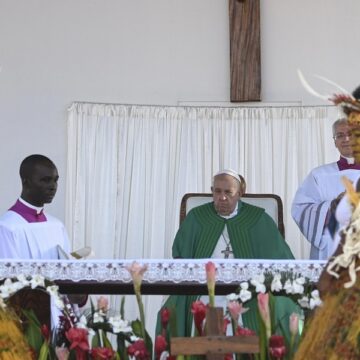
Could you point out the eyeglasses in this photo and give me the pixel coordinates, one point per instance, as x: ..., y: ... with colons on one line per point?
x: 342, y: 136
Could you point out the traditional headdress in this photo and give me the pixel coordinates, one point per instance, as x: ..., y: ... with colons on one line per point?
x: 349, y: 104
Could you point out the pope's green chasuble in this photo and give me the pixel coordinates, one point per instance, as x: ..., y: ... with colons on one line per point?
x: 253, y: 235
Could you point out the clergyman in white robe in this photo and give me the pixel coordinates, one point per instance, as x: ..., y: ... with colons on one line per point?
x: 311, y: 204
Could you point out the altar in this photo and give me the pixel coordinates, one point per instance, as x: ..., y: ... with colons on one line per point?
x: 163, y: 276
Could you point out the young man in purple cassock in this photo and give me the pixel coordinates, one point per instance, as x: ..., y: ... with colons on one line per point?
x: 26, y: 231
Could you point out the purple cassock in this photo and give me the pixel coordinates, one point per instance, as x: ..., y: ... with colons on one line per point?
x: 29, y: 214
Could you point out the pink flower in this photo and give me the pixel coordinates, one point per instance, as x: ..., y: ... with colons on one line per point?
x: 103, y: 304
x: 277, y: 347
x: 198, y: 308
x: 294, y: 324
x: 79, y: 341
x: 62, y: 353
x: 241, y: 331
x: 99, y: 353
x: 210, y: 276
x: 137, y: 273
x: 160, y: 346
x: 138, y: 350
x: 236, y: 309
x: 165, y: 316
x: 264, y: 310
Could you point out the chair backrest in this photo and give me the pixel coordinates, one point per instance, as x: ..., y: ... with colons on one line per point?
x: 271, y: 203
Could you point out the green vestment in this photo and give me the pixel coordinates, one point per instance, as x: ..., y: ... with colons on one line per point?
x: 253, y: 235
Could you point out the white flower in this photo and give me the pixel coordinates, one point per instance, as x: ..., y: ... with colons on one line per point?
x: 244, y: 294
x: 232, y: 297
x: 288, y: 286
x: 23, y: 280
x: 82, y: 323
x: 2, y: 304
x: 37, y: 280
x: 53, y: 290
x: 17, y: 285
x: 58, y: 302
x: 7, y: 289
x: 298, y: 287
x: 258, y: 282
x: 119, y: 325
x: 98, y: 318
x: 276, y: 284
x: 304, y: 302
x: 315, y: 299
x: 134, y: 338
x: 164, y: 355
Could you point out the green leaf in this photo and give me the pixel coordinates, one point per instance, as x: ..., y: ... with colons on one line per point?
x: 121, y: 348
x: 272, y: 311
x: 96, y: 340
x: 33, y: 332
x: 172, y: 322
x: 106, y: 342
x: 122, y: 307
x: 136, y: 326
x: 262, y: 336
x: 30, y: 315
x: 44, y: 351
x: 149, y: 344
x: 92, y: 306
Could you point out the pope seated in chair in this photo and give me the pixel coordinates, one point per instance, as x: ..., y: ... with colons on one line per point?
x: 228, y: 228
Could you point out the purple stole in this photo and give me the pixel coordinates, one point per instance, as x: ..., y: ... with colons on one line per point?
x: 343, y: 165
x: 29, y: 214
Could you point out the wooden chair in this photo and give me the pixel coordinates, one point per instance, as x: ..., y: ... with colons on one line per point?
x: 271, y: 203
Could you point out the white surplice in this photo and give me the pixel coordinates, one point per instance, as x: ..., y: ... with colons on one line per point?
x: 311, y: 204
x: 20, y: 239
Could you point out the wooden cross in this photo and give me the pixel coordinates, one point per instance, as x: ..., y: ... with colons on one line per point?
x: 245, y: 65
x: 214, y: 345
x: 227, y: 251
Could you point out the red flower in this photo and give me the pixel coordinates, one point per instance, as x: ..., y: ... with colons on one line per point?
x: 79, y: 341
x: 228, y: 357
x: 160, y: 345
x: 277, y: 347
x: 198, y: 308
x: 242, y: 331
x: 45, y: 332
x: 225, y: 325
x: 165, y: 316
x: 99, y: 353
x: 138, y: 350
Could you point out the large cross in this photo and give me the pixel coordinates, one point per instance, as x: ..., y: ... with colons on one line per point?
x: 245, y: 66
x: 214, y: 345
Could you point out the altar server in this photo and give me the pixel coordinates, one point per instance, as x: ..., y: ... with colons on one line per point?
x: 26, y: 231
x: 317, y: 197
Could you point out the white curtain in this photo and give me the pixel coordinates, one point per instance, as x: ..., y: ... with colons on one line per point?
x: 129, y: 166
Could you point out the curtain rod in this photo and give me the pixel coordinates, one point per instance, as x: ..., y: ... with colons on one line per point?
x: 206, y: 106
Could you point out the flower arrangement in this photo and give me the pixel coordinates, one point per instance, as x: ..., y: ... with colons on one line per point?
x: 78, y: 337
x: 92, y: 335
x: 275, y: 341
x: 297, y: 288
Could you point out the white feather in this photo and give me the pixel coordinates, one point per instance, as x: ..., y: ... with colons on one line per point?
x: 342, y: 90
x: 309, y: 89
